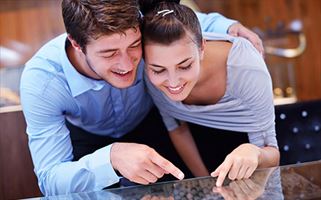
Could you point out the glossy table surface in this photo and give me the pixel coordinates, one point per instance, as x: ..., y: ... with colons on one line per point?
x: 299, y: 181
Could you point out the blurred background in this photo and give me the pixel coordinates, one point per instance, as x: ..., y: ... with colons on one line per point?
x: 290, y: 30
x: 25, y: 25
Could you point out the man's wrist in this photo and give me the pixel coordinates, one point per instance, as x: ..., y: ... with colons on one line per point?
x: 113, y: 148
x: 233, y: 24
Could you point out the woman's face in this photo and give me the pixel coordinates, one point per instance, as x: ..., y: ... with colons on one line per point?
x: 174, y: 69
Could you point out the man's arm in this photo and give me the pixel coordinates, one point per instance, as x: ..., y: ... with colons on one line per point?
x: 238, y: 30
x: 49, y: 141
x: 214, y: 22
x: 44, y: 107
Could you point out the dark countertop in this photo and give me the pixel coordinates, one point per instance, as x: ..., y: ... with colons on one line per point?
x: 299, y: 181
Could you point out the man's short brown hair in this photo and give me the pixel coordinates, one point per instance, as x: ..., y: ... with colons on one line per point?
x: 90, y: 19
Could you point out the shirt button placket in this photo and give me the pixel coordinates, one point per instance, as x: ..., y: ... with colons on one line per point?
x: 118, y: 106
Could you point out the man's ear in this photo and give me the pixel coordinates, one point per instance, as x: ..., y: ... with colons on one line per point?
x: 202, y: 49
x: 74, y: 44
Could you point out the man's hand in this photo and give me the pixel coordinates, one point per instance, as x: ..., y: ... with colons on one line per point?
x: 239, y: 164
x: 140, y: 163
x: 238, y: 30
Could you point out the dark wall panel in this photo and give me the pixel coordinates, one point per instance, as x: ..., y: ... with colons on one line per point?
x: 17, y: 179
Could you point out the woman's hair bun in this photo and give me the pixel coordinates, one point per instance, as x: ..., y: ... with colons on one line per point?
x: 147, y: 5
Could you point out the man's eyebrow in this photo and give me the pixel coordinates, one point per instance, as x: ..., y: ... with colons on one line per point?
x: 160, y: 66
x: 106, y: 50
x: 115, y: 49
x: 136, y: 41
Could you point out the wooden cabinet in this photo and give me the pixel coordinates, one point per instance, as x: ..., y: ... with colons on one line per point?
x: 17, y: 179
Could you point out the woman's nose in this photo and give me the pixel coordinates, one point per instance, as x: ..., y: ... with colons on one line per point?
x: 173, y: 80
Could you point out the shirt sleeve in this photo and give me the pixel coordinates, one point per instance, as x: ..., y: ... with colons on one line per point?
x: 44, y: 104
x: 170, y: 122
x: 253, y: 86
x: 214, y: 22
x: 258, y: 96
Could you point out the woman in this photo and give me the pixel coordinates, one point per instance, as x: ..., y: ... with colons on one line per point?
x: 220, y: 83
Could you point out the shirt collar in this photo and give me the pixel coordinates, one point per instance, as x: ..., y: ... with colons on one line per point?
x: 77, y: 82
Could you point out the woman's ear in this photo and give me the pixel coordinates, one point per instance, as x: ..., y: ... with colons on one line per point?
x: 74, y: 44
x: 202, y: 49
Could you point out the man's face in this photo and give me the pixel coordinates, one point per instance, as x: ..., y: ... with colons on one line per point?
x: 114, y: 58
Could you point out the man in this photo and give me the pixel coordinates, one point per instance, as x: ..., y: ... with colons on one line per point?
x: 82, y: 94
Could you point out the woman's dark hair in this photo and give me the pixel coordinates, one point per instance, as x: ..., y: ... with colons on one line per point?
x: 147, y: 5
x: 166, y: 28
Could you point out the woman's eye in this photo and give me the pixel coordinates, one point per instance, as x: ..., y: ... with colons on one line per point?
x: 158, y: 71
x: 186, y: 67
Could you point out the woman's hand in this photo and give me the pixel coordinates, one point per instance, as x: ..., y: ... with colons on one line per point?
x: 239, y: 164
x: 241, y: 189
x: 251, y: 188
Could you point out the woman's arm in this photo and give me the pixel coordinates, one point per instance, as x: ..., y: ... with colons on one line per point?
x: 252, y: 85
x: 185, y: 145
x: 269, y: 157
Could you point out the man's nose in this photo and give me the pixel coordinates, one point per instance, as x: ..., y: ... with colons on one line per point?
x: 126, y: 62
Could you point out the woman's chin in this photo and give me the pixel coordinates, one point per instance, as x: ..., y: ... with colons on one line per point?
x: 176, y: 97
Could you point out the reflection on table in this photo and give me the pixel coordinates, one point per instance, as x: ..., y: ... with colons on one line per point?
x: 299, y: 181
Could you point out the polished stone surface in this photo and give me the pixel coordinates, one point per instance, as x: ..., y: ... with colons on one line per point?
x: 299, y: 181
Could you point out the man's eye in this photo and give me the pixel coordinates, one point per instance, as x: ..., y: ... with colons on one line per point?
x: 109, y: 55
x: 136, y: 45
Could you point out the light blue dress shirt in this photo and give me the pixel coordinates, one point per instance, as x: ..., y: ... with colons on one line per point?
x: 52, y: 91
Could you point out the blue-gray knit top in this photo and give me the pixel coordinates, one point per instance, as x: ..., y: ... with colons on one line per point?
x: 247, y: 105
